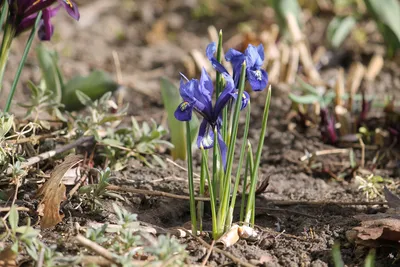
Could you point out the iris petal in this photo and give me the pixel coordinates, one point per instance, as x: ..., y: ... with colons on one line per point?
x: 260, y: 49
x: 258, y: 79
x: 210, y: 50
x: 71, y: 8
x: 184, y: 112
x: 225, y: 95
x: 222, y: 148
x: 205, y: 138
x: 206, y: 86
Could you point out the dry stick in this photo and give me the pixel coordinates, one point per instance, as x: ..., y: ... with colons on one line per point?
x: 180, y: 167
x: 305, y: 56
x: 7, y: 209
x: 269, y: 201
x: 339, y: 87
x: 326, y: 152
x: 362, y: 152
x: 236, y: 260
x: 41, y: 258
x: 319, y: 52
x: 293, y: 66
x: 52, y: 153
x: 152, y: 193
x: 374, y: 67
x: 285, y: 56
x: 32, y: 139
x: 353, y: 81
x: 96, y: 248
x: 208, y: 254
x: 98, y: 260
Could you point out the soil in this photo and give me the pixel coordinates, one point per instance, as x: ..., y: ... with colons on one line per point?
x: 296, y: 235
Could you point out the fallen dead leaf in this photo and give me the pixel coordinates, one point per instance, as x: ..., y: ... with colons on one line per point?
x: 53, y: 193
x: 392, y: 199
x: 8, y: 258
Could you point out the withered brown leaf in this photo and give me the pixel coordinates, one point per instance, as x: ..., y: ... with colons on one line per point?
x: 53, y: 192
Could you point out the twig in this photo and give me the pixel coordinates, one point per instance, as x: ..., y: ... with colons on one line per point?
x: 41, y: 258
x: 325, y: 152
x: 97, y: 249
x: 286, y: 211
x: 236, y: 260
x: 97, y: 260
x: 152, y: 193
x: 7, y: 209
x: 46, y: 155
x: 374, y: 67
x: 77, y: 185
x: 269, y: 201
x: 14, y: 197
x: 180, y: 167
x: 362, y: 152
x: 208, y: 254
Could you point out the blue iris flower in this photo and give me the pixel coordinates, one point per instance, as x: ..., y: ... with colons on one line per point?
x: 210, y: 51
x: 254, y: 57
x: 197, y: 96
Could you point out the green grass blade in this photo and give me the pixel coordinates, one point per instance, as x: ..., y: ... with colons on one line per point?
x: 370, y: 259
x: 223, y: 209
x: 48, y: 63
x: 246, y: 171
x: 22, y: 62
x: 239, y: 168
x: 253, y: 182
x: 336, y: 256
x: 212, y: 195
x: 190, y: 179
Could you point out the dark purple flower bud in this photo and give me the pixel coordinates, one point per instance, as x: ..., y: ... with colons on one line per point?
x: 327, y: 127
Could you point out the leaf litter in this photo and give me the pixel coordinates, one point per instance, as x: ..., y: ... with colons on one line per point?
x: 53, y: 193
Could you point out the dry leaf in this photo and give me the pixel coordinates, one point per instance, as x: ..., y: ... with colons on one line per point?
x: 386, y: 229
x: 8, y: 258
x: 53, y: 192
x: 392, y: 199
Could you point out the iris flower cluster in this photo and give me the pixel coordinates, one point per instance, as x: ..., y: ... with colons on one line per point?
x: 23, y: 13
x: 197, y: 94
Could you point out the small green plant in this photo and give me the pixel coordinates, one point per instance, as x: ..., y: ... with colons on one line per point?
x: 136, y: 141
x: 95, y: 192
x: 26, y: 238
x: 126, y: 241
x: 102, y: 115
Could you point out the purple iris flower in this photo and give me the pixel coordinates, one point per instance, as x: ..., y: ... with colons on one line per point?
x: 23, y: 14
x: 197, y: 96
x: 254, y: 57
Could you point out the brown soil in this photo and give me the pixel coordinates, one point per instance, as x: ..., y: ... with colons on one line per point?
x: 307, y: 231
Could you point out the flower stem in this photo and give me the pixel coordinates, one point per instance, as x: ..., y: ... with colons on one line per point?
x: 4, y: 12
x: 22, y: 62
x: 8, y: 36
x: 223, y: 208
x: 249, y: 161
x: 228, y: 222
x: 190, y: 179
x: 200, y: 204
x: 212, y: 196
x: 254, y: 173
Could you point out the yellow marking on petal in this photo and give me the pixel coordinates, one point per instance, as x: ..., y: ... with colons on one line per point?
x: 68, y: 2
x: 36, y: 2
x: 184, y: 105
